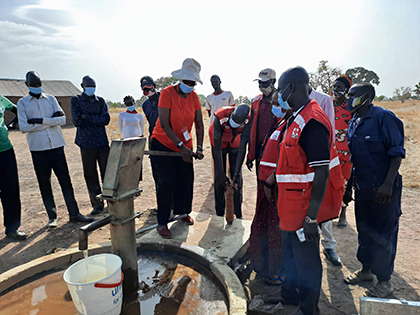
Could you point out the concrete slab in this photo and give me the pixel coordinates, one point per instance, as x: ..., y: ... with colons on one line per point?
x: 210, y: 232
x: 374, y: 306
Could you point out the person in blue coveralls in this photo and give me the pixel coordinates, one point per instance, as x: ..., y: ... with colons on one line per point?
x: 376, y: 142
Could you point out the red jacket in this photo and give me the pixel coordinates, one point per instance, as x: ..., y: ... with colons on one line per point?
x: 233, y: 139
x: 294, y: 176
x: 270, y: 155
x: 256, y: 101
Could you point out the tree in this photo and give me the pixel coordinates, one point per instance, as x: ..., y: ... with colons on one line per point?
x: 163, y: 82
x: 403, y: 93
x: 324, y: 77
x: 380, y: 98
x: 417, y: 89
x: 140, y: 101
x: 243, y: 100
x: 202, y: 99
x: 360, y: 74
x: 113, y: 104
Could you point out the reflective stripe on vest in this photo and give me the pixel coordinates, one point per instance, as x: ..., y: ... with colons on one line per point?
x: 268, y: 164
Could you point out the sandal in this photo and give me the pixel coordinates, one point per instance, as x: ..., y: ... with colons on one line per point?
x: 164, y: 231
x: 358, y: 276
x: 382, y: 290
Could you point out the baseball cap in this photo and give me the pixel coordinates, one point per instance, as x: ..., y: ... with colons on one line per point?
x: 146, y: 82
x: 266, y: 74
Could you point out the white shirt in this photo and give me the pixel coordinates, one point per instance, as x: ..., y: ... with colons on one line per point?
x: 214, y: 102
x: 326, y: 103
x: 131, y: 125
x: 45, y: 136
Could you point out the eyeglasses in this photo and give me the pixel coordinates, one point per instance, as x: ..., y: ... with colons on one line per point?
x: 189, y: 82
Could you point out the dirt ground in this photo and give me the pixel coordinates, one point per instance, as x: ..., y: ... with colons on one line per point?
x: 336, y: 297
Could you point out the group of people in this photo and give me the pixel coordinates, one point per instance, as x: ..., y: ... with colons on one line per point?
x: 310, y: 153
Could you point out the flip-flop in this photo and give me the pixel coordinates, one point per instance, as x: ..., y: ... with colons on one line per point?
x: 358, y: 276
x: 274, y: 280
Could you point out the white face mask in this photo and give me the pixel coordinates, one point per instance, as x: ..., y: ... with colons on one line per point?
x: 150, y: 93
x: 266, y: 91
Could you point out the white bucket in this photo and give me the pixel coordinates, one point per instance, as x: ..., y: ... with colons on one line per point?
x: 95, y: 285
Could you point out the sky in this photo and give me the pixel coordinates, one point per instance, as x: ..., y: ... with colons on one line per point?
x: 118, y: 42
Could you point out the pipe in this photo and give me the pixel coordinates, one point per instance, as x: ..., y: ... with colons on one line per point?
x: 84, y: 230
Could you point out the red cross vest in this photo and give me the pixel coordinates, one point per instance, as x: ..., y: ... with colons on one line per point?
x: 270, y: 155
x: 233, y: 139
x: 295, y: 177
x: 256, y: 101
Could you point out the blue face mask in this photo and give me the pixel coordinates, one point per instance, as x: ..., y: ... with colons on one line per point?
x: 34, y: 90
x: 90, y: 91
x: 185, y: 88
x: 276, y: 110
x: 131, y: 108
x: 282, y: 103
x: 233, y: 124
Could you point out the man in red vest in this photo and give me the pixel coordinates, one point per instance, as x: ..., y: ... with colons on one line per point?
x: 310, y: 189
x: 229, y: 135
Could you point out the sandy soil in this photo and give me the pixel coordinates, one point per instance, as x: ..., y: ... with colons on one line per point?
x: 336, y: 297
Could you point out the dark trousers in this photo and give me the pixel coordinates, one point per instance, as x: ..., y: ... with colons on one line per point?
x: 377, y: 225
x: 303, y: 270
x: 44, y: 162
x: 176, y: 181
x: 9, y: 191
x: 219, y: 188
x: 89, y: 159
x: 155, y: 173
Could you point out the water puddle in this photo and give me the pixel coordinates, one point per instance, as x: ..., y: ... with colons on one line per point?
x: 169, y: 285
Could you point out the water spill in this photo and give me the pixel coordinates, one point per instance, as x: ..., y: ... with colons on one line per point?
x: 169, y: 284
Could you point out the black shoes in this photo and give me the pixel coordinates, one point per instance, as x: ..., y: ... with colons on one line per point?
x: 96, y: 211
x: 332, y: 256
x: 17, y: 235
x: 81, y: 218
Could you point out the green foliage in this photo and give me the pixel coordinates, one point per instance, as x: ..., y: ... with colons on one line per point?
x: 243, y: 100
x: 360, y: 74
x: 141, y: 101
x: 113, y: 104
x: 402, y: 94
x: 417, y: 89
x: 379, y: 98
x: 163, y: 82
x: 324, y: 77
x: 202, y: 99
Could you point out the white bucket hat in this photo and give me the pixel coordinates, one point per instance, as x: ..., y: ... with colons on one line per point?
x: 190, y: 71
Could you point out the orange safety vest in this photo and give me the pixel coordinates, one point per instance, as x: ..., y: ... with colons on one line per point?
x: 270, y: 155
x: 295, y: 177
x: 256, y: 101
x: 233, y: 139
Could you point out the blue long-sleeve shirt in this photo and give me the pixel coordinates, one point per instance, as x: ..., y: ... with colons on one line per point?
x: 90, y: 116
x: 151, y: 110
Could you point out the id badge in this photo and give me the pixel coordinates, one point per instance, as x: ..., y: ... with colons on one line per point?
x: 186, y: 133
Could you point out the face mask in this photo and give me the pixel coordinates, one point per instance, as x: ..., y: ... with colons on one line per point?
x: 131, y: 108
x: 339, y: 93
x: 150, y: 93
x: 185, y: 88
x: 89, y: 91
x: 267, y: 91
x: 355, y: 103
x: 282, y: 103
x: 34, y: 90
x: 276, y: 110
x: 233, y: 124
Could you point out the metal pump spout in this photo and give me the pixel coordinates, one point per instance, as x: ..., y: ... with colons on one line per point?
x: 84, y: 230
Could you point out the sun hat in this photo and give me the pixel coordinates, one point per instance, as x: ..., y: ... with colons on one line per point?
x: 190, y: 70
x: 266, y: 74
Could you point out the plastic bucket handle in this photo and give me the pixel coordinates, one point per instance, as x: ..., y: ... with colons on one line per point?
x: 109, y: 285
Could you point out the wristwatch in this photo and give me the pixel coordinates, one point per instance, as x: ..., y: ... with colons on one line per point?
x: 179, y: 144
x: 309, y: 220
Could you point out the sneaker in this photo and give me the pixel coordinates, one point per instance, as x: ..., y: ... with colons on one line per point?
x: 164, y: 231
x: 188, y: 219
x: 17, y: 235
x: 81, y: 218
x: 96, y: 211
x: 382, y: 290
x: 52, y: 223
